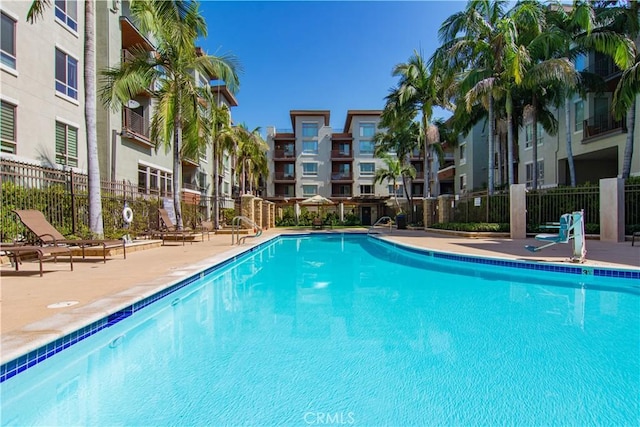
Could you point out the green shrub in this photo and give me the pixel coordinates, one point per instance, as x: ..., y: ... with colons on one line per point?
x: 472, y: 226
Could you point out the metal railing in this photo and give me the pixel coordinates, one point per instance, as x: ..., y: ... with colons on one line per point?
x: 547, y: 205
x: 480, y: 207
x: 387, y: 221
x: 235, y: 229
x: 604, y: 123
x: 136, y: 123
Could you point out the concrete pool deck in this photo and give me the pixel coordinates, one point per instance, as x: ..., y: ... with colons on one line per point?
x: 100, y: 289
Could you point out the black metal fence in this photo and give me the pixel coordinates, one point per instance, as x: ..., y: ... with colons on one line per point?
x: 62, y: 196
x: 480, y: 207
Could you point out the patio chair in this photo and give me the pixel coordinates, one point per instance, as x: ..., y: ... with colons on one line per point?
x: 317, y: 223
x: 17, y: 252
x: 47, y: 235
x: 169, y: 230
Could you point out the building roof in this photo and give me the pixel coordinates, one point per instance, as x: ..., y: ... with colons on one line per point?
x: 294, y: 113
x: 352, y: 113
x: 224, y: 91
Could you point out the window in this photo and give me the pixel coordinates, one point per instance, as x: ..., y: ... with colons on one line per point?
x: 367, y: 169
x: 66, y: 74
x: 67, y: 12
x: 529, y: 167
x: 309, y: 147
x: 578, y: 118
x: 580, y: 62
x: 463, y: 182
x: 226, y: 189
x: 366, y: 190
x: 8, y: 41
x: 463, y: 153
x: 66, y: 145
x: 226, y: 162
x: 342, y: 190
x: 8, y: 128
x: 309, y: 130
x: 309, y: 190
x: 155, y: 181
x: 309, y: 169
x: 366, y: 147
x: 367, y: 130
x: 399, y: 189
x: 529, y: 135
x: 288, y: 169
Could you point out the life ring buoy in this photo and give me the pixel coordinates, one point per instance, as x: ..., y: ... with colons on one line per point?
x: 127, y: 214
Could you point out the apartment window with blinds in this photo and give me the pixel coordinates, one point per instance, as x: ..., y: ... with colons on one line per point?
x: 309, y: 130
x: 366, y: 190
x: 529, y: 171
x: 309, y: 190
x: 66, y: 145
x: 67, y: 13
x: 8, y: 41
x: 579, y: 115
x: 154, y: 181
x: 66, y: 74
x: 8, y: 128
x: 529, y: 135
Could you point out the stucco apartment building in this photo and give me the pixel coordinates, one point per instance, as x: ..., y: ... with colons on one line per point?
x: 333, y: 160
x: 42, y: 96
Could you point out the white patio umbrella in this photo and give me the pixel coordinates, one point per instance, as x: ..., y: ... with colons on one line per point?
x: 316, y: 200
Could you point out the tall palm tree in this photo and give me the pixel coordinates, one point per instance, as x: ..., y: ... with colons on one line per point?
x: 175, y: 26
x: 473, y: 45
x: 573, y: 31
x: 395, y: 169
x: 627, y: 21
x: 36, y: 11
x: 417, y: 92
x: 251, y: 153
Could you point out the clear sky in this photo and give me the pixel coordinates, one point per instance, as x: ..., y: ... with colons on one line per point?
x: 319, y: 55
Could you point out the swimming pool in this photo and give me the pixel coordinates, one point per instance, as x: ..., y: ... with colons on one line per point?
x: 346, y: 329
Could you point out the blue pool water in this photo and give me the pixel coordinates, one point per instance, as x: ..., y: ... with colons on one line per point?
x: 348, y: 330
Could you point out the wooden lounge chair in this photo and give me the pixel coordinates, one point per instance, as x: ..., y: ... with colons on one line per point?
x: 169, y: 230
x: 16, y: 252
x: 47, y: 235
x: 317, y: 223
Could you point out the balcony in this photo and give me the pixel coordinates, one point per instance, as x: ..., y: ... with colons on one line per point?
x: 283, y: 154
x: 605, y: 68
x: 135, y: 126
x: 284, y: 176
x: 342, y: 176
x: 342, y: 194
x: 341, y: 154
x: 447, y: 174
x: 419, y: 176
x: 601, y: 125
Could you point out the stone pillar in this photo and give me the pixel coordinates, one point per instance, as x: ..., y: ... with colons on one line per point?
x: 246, y: 206
x: 612, y: 210
x: 518, y: 211
x: 445, y: 208
x: 272, y: 215
x: 428, y: 212
x: 257, y: 211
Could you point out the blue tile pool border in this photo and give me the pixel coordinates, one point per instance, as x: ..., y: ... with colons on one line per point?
x: 30, y: 359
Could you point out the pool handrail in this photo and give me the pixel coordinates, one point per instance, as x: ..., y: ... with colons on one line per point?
x: 235, y: 229
x: 388, y: 219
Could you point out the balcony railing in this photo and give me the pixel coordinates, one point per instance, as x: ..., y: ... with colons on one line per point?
x: 602, y: 124
x: 419, y: 175
x: 341, y: 154
x: 136, y: 124
x: 605, y: 68
x: 342, y: 176
x: 283, y: 154
x: 285, y: 176
x: 342, y: 194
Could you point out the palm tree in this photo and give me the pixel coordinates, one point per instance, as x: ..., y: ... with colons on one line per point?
x: 418, y: 91
x: 473, y: 45
x: 251, y: 152
x: 573, y: 31
x: 627, y: 21
x: 36, y: 11
x: 175, y: 26
x: 395, y: 168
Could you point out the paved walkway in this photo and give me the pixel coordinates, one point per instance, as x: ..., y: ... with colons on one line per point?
x: 100, y: 289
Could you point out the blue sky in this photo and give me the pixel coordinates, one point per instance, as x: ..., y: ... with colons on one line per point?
x: 319, y: 55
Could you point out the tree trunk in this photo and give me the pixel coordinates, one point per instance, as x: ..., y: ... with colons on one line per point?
x: 427, y: 159
x: 216, y: 190
x: 628, y: 148
x: 177, y: 169
x: 510, y: 158
x: 534, y: 148
x: 491, y: 147
x: 93, y: 164
x: 567, y: 119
